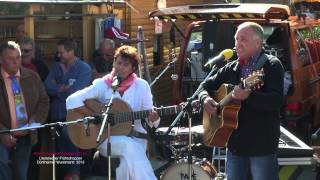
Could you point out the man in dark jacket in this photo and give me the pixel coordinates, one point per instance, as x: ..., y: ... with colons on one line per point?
x: 23, y: 101
x: 252, y: 147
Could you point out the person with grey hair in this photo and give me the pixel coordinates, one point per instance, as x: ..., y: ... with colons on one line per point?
x: 20, y: 34
x: 23, y: 101
x: 29, y: 60
x: 102, y: 61
x: 252, y: 146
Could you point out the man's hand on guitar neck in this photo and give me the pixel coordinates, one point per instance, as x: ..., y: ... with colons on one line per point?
x: 240, y: 94
x: 210, y: 106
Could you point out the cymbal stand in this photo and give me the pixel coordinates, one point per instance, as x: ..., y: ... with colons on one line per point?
x: 171, y: 64
x: 103, y: 124
x: 189, y: 114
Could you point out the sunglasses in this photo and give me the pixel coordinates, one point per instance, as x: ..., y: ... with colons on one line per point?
x: 26, y: 50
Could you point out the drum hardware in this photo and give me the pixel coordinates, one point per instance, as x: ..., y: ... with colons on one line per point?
x: 178, y: 136
x: 187, y: 110
x: 218, y: 155
x: 200, y: 170
x: 177, y: 168
x: 220, y: 176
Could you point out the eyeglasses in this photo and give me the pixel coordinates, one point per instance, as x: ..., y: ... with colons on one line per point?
x: 107, y: 55
x: 26, y: 50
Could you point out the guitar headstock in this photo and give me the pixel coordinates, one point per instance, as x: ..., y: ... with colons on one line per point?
x: 254, y: 80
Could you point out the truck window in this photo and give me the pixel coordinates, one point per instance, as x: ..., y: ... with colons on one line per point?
x: 276, y: 43
x: 193, y: 72
x: 303, y: 37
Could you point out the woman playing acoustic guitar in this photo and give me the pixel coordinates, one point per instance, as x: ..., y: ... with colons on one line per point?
x: 136, y: 93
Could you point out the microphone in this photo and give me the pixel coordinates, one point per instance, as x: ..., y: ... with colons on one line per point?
x: 174, y: 75
x: 223, y: 56
x: 315, y: 136
x: 116, y: 81
x: 96, y: 119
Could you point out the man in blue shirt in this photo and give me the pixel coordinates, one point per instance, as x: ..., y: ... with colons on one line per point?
x: 66, y: 77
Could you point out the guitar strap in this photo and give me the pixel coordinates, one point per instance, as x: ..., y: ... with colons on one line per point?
x: 262, y: 60
x: 137, y: 134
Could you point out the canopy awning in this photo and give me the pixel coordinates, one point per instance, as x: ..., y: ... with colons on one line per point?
x: 61, y: 1
x: 223, y: 11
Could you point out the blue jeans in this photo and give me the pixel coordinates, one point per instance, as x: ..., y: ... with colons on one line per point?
x: 261, y: 167
x: 14, y: 162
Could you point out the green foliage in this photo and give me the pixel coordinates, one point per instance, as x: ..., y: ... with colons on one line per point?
x: 306, y: 33
x: 13, y: 8
x: 317, y: 32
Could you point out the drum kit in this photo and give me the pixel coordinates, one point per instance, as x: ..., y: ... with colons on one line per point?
x: 175, y: 149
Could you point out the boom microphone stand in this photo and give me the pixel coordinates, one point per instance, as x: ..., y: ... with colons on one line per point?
x: 171, y: 64
x: 52, y: 127
x: 184, y: 111
x: 116, y: 82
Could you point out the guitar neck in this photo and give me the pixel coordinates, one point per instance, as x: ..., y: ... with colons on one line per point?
x: 130, y: 116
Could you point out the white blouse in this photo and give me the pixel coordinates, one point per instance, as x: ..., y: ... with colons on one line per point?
x: 138, y: 96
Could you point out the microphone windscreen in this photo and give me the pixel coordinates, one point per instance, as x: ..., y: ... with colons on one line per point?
x: 227, y: 53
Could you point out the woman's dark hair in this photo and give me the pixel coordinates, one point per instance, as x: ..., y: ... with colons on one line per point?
x: 130, y: 53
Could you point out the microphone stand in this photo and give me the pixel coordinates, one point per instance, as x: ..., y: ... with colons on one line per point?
x: 162, y: 72
x: 105, y: 117
x: 184, y: 111
x: 52, y: 127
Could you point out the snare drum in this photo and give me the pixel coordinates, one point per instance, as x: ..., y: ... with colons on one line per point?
x: 203, y: 170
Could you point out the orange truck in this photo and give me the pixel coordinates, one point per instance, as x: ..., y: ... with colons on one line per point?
x: 293, y: 37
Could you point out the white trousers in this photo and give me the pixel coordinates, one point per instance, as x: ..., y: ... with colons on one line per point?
x: 134, y: 164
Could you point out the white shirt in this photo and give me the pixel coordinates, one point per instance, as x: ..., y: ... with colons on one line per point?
x: 138, y: 96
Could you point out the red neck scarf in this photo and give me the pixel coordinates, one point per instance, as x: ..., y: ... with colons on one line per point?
x: 241, y: 61
x: 125, y: 84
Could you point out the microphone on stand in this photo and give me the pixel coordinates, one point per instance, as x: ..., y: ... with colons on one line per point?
x: 174, y: 75
x: 116, y: 81
x: 96, y: 119
x: 223, y: 56
x: 315, y: 135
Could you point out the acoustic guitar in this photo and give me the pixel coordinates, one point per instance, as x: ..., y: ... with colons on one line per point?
x: 217, y: 130
x: 122, y: 117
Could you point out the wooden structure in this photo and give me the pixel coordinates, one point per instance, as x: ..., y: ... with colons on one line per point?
x: 48, y: 22
x: 162, y: 90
